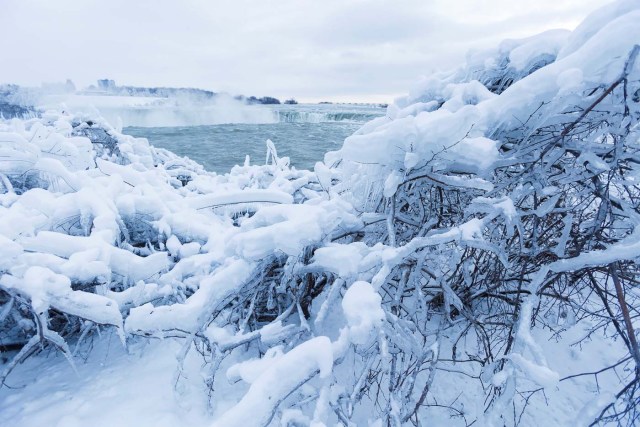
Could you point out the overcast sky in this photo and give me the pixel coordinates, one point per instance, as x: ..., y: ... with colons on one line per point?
x: 340, y: 50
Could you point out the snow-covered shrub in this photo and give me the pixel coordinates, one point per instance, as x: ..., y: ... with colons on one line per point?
x: 94, y: 223
x: 509, y: 208
x: 412, y: 278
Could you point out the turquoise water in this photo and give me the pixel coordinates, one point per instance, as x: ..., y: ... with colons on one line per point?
x: 302, y: 133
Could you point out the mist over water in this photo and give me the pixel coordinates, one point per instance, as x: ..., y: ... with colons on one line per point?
x: 301, y: 132
x: 218, y: 133
x: 142, y: 111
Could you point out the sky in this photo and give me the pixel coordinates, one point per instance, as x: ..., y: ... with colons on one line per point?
x: 312, y: 50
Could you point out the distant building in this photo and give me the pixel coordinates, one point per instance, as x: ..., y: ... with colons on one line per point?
x: 106, y: 84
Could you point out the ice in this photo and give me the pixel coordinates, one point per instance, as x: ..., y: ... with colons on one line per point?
x: 283, y: 376
x: 85, y: 266
x: 41, y: 285
x: 361, y: 306
x: 139, y: 294
x: 275, y: 332
x: 270, y: 228
x: 547, y: 43
x: 189, y: 249
x: 343, y: 260
x: 173, y: 245
x: 191, y: 315
x: 593, y: 23
x: 251, y: 370
x: 391, y: 184
x: 462, y: 94
x: 121, y: 261
x: 248, y: 196
x: 480, y: 152
x: 570, y: 80
x: 411, y: 160
x: 626, y: 249
x: 324, y: 175
x: 9, y: 250
x: 541, y: 375
x: 47, y: 289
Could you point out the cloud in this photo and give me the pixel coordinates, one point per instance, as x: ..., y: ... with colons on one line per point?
x: 303, y: 48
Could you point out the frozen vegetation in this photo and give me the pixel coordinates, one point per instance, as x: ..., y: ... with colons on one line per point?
x: 468, y: 259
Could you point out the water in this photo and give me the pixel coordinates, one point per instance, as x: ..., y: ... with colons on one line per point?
x: 301, y: 132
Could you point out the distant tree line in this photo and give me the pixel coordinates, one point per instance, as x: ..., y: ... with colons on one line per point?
x: 109, y: 86
x: 256, y: 100
x: 265, y: 100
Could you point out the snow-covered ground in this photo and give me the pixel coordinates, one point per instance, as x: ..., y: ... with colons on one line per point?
x: 466, y: 259
x: 108, y: 387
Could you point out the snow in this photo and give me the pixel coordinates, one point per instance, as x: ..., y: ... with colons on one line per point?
x: 626, y: 249
x: 120, y: 261
x: 136, y: 389
x: 343, y: 260
x: 481, y: 152
x: 303, y: 296
x: 249, y: 371
x: 361, y: 306
x: 192, y: 314
x: 41, y: 285
x: 570, y: 80
x: 278, y: 380
x: 593, y: 23
x: 244, y: 196
x: 270, y: 228
x: 541, y: 375
x: 391, y: 184
x: 9, y: 250
x: 547, y: 43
